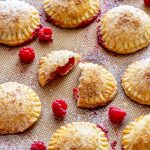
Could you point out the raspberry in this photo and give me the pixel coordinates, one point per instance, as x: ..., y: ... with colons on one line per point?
x: 45, y: 34
x: 116, y: 115
x: 64, y: 69
x: 26, y: 54
x: 38, y: 145
x: 147, y: 2
x: 76, y: 93
x: 59, y: 108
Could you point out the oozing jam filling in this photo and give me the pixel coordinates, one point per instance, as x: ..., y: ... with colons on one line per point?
x: 99, y: 37
x: 88, y: 21
x: 65, y: 69
x: 104, y: 130
x: 81, y: 25
x: 76, y: 93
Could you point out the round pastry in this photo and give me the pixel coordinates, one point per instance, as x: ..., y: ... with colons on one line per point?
x: 136, y: 136
x: 19, y: 22
x: 20, y: 107
x: 71, y: 13
x: 97, y: 86
x: 124, y: 29
x: 79, y: 136
x: 135, y: 81
x: 56, y: 62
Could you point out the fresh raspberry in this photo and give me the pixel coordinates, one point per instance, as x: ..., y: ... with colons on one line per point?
x: 45, y: 34
x: 116, y: 115
x: 76, y: 93
x: 26, y: 54
x: 59, y: 107
x: 64, y: 69
x: 147, y: 2
x: 38, y: 145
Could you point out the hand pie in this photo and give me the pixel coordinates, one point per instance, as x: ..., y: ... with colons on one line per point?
x: 79, y: 136
x: 20, y: 107
x: 56, y: 62
x: 19, y: 22
x: 135, y: 81
x: 136, y: 136
x: 97, y: 86
x: 124, y: 29
x: 71, y: 13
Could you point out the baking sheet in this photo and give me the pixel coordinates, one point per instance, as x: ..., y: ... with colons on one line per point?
x: 83, y: 41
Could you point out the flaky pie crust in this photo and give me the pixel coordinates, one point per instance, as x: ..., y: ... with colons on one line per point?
x: 71, y: 13
x: 51, y: 61
x: 136, y: 81
x: 20, y: 107
x: 18, y: 22
x: 136, y: 135
x: 97, y: 86
x: 125, y: 29
x: 79, y: 136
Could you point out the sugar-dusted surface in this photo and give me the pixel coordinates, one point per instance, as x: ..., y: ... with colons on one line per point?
x: 83, y: 41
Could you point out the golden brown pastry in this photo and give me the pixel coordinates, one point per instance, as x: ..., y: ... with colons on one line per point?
x: 19, y: 22
x: 56, y: 62
x: 79, y: 136
x: 135, y: 81
x: 136, y: 135
x: 71, y: 13
x: 97, y: 86
x: 20, y: 107
x: 124, y: 29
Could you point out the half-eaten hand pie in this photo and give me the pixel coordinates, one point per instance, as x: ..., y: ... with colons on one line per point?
x: 124, y: 29
x: 136, y: 135
x: 79, y: 136
x: 136, y: 81
x: 56, y: 62
x: 19, y: 22
x: 97, y: 86
x: 20, y: 108
x: 71, y: 13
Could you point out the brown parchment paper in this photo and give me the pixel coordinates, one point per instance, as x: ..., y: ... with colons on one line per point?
x: 84, y: 41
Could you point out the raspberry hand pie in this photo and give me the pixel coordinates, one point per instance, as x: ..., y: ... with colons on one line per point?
x: 136, y: 136
x: 79, y: 136
x: 71, y: 13
x: 19, y: 22
x: 20, y: 107
x: 97, y: 86
x: 135, y: 81
x: 56, y: 62
x: 124, y: 29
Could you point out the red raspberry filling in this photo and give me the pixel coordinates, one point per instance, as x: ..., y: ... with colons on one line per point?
x: 116, y: 115
x: 65, y: 69
x: 76, y: 93
x: 104, y: 129
x: 26, y: 54
x: 81, y: 25
x: 113, y: 145
x: 59, y: 107
x: 147, y: 2
x: 45, y: 34
x: 100, y: 38
x: 38, y: 146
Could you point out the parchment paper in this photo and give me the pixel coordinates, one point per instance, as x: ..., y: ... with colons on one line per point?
x: 84, y: 41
